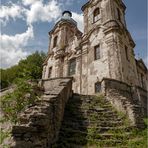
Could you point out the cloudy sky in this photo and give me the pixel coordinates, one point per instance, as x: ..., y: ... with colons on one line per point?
x: 25, y: 25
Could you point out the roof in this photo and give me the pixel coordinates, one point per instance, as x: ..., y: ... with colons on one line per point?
x: 66, y: 17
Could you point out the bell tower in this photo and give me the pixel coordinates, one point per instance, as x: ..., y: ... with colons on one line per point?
x: 98, y: 12
x: 105, y: 25
x: 63, y: 30
x: 61, y: 36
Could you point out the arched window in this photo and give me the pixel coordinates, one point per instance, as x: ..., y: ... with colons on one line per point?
x: 55, y: 41
x: 96, y: 16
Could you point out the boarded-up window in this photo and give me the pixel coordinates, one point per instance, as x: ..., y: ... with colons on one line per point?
x: 49, y: 72
x: 72, y: 67
x: 97, y: 87
x: 96, y: 16
x: 55, y: 41
x: 97, y: 52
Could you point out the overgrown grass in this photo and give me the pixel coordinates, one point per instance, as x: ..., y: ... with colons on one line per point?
x: 140, y: 137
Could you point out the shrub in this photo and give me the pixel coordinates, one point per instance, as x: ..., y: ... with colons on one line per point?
x: 13, y: 103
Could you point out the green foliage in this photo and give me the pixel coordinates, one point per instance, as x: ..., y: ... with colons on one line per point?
x: 3, y: 135
x: 140, y: 137
x: 13, y: 103
x: 30, y: 68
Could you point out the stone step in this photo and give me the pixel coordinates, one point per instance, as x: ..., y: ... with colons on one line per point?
x: 97, y: 129
x: 86, y: 101
x: 83, y: 142
x: 91, y: 120
x: 91, y: 114
x: 84, y: 120
x: 92, y: 123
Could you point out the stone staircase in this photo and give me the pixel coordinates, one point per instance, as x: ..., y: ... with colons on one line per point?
x: 91, y: 122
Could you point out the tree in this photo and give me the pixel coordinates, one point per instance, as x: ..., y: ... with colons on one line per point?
x: 30, y: 68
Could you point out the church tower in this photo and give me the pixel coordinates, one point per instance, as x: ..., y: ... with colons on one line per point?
x: 64, y: 33
x: 109, y: 44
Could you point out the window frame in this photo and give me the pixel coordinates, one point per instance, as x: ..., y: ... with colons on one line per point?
x: 126, y: 53
x: 96, y: 15
x: 55, y: 40
x: 72, y: 67
x: 97, y: 53
x: 49, y: 72
x: 98, y: 90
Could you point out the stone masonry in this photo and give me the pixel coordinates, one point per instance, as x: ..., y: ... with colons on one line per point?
x: 125, y: 99
x: 39, y: 124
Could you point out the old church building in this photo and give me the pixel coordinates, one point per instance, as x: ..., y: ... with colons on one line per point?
x: 101, y: 59
x: 104, y: 50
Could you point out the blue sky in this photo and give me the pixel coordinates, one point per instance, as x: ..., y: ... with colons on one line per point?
x: 25, y: 25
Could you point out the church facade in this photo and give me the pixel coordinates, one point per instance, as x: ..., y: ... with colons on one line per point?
x: 104, y: 50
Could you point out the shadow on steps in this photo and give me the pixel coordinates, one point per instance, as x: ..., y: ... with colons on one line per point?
x: 91, y: 120
x: 74, y: 125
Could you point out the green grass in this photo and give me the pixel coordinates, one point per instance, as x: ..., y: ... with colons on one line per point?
x: 4, y: 135
x: 140, y: 136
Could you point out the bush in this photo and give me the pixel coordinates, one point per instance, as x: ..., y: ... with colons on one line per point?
x: 30, y: 68
x: 13, y: 103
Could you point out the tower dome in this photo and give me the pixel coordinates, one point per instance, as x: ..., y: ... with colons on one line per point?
x: 67, y: 16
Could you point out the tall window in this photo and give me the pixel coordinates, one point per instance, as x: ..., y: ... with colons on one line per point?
x: 96, y: 14
x: 55, y: 41
x: 126, y: 53
x: 97, y: 52
x: 72, y: 67
x: 142, y: 80
x: 97, y: 87
x: 49, y: 72
x: 118, y: 14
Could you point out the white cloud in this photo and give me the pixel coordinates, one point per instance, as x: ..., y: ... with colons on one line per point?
x: 44, y: 13
x: 13, y: 11
x: 10, y: 58
x: 11, y: 49
x: 30, y: 2
x: 79, y: 19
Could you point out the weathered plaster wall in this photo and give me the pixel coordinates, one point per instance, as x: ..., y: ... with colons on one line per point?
x: 39, y: 124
